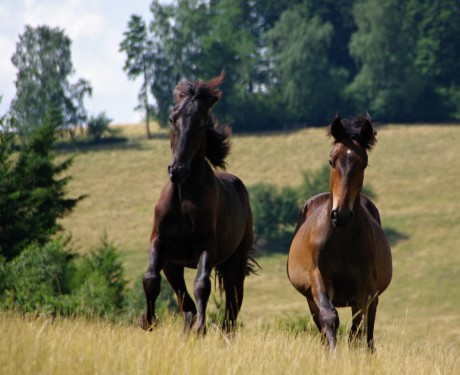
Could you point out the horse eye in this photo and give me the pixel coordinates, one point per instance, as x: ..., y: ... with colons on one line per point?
x: 331, y: 163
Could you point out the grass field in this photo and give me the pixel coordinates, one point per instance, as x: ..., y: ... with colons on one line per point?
x: 415, y: 173
x: 41, y: 346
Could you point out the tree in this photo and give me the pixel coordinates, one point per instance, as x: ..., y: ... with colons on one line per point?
x: 384, y: 48
x: 32, y: 196
x: 43, y: 60
x: 437, y: 56
x: 139, y: 59
x: 301, y: 70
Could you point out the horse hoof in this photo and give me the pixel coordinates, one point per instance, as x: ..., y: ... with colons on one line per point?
x: 144, y: 323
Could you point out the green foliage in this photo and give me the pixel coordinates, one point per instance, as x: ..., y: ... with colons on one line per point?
x: 32, y: 196
x: 273, y: 209
x: 398, y: 60
x: 314, y: 182
x: 36, y: 279
x: 304, y: 46
x: 44, y: 64
x: 99, y: 283
x: 51, y: 279
x: 98, y: 126
x: 139, y: 59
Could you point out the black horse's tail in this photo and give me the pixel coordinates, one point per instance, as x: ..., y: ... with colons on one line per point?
x: 252, y: 267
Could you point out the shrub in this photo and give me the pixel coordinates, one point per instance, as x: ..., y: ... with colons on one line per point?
x: 99, y: 283
x: 37, y: 278
x: 98, y: 126
x: 272, y: 209
x: 51, y: 279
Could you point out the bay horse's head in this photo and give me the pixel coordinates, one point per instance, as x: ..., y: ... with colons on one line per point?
x: 348, y: 160
x: 193, y: 132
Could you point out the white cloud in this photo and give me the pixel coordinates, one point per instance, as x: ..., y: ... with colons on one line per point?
x: 71, y: 15
x: 96, y: 29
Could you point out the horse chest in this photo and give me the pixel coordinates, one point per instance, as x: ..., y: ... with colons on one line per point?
x: 344, y: 272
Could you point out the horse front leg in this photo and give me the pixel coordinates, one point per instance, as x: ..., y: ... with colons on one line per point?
x: 152, y: 284
x: 202, y: 289
x: 175, y: 276
x: 328, y: 317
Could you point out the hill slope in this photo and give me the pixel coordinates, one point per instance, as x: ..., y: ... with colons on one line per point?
x: 414, y: 171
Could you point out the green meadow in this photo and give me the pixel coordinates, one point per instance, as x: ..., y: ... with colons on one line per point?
x: 415, y: 173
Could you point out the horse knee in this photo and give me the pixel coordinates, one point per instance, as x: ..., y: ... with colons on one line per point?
x: 202, y: 287
x: 329, y: 319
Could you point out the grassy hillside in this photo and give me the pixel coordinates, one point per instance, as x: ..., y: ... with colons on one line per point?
x: 414, y: 171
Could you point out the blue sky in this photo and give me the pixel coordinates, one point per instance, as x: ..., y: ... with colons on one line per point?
x: 96, y: 29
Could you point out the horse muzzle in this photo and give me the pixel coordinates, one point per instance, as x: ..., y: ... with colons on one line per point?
x: 341, y: 218
x: 178, y: 173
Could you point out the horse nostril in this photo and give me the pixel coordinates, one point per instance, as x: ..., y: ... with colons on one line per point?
x: 334, y: 215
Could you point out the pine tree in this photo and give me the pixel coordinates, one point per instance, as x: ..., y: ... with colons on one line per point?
x: 32, y: 193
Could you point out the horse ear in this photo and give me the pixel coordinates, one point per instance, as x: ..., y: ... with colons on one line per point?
x: 214, y: 92
x: 367, y: 132
x: 337, y: 128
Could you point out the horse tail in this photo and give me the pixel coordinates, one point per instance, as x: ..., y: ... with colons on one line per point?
x: 218, y: 280
x: 252, y: 267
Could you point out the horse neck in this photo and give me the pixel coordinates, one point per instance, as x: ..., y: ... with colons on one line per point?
x: 199, y: 169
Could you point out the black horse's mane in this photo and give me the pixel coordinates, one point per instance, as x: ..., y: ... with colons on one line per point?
x: 205, y: 95
x: 217, y: 142
x: 352, y: 129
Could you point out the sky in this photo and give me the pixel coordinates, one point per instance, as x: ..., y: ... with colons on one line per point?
x: 95, y: 28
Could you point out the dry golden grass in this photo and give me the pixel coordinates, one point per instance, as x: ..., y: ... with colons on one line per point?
x: 414, y: 170
x: 43, y: 346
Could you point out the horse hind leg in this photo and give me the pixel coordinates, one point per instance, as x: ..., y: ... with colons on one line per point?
x: 363, y: 322
x: 371, y: 313
x: 175, y: 276
x: 357, y: 325
x: 233, y: 273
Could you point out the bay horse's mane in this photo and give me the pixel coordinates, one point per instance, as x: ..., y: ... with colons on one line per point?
x: 205, y: 95
x: 352, y: 129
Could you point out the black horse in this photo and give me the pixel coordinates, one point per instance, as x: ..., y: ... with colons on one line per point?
x: 203, y: 217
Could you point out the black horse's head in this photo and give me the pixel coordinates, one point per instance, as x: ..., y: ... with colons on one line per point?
x: 192, y: 127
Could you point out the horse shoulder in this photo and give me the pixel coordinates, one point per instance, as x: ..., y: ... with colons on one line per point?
x: 307, y: 240
x: 371, y: 208
x: 309, y: 207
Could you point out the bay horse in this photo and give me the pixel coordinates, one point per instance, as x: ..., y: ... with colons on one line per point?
x: 203, y: 218
x: 339, y: 255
